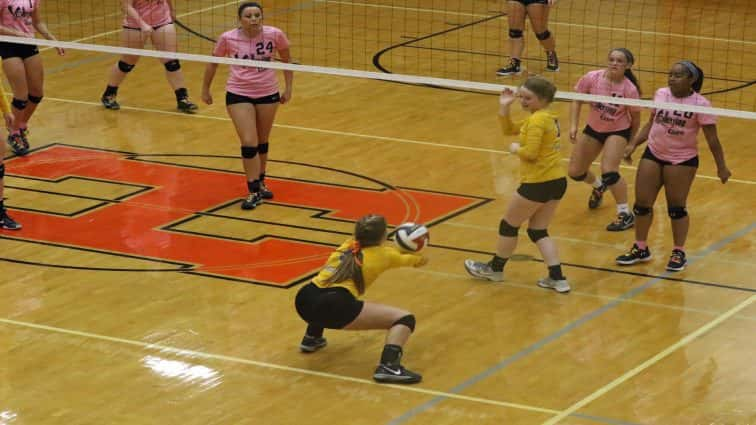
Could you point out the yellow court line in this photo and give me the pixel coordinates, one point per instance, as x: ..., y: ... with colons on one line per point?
x: 350, y: 134
x: 570, y: 24
x: 650, y: 362
x: 232, y: 359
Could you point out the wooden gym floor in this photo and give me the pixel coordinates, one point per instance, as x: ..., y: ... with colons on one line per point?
x: 139, y: 293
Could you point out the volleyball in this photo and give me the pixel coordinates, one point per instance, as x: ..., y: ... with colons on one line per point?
x: 411, y: 237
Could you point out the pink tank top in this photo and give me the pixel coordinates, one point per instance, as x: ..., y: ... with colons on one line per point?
x: 673, y: 133
x: 246, y: 80
x: 154, y: 13
x: 17, y: 14
x: 606, y: 117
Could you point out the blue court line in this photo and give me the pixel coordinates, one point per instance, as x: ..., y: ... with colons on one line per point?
x: 571, y: 326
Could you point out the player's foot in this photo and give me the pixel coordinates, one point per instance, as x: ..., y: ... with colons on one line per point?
x: 512, y: 69
x: 311, y: 344
x: 552, y: 62
x: 483, y: 271
x: 18, y: 144
x: 635, y: 255
x: 395, y: 374
x: 677, y: 261
x: 186, y: 105
x: 561, y: 286
x: 109, y: 102
x: 623, y: 221
x: 8, y: 223
x: 252, y: 201
x: 597, y: 195
x: 265, y: 193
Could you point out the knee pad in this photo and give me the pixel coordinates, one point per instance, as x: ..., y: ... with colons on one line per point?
x: 537, y: 234
x: 19, y: 104
x: 543, y: 35
x: 408, y: 321
x: 580, y: 177
x: 506, y: 229
x: 125, y: 67
x: 248, y: 152
x: 610, y: 178
x: 262, y: 148
x: 515, y: 33
x: 676, y: 213
x: 640, y: 211
x: 35, y: 99
x: 2, y: 171
x: 172, y: 66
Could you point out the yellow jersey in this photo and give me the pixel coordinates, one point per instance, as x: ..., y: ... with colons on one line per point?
x: 540, y: 150
x: 375, y: 260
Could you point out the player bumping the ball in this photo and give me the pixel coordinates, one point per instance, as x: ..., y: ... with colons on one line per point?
x: 333, y: 299
x: 543, y: 183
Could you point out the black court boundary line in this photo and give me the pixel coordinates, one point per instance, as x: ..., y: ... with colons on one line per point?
x: 379, y: 66
x: 610, y: 270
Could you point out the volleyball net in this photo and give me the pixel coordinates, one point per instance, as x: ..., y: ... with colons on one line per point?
x: 468, y: 40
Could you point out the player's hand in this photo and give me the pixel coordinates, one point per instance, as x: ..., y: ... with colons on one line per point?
x: 61, y: 51
x: 207, y: 98
x: 514, y: 147
x: 724, y: 174
x: 629, y: 149
x: 8, y: 120
x: 506, y: 97
x: 573, y: 135
x: 286, y: 96
x: 146, y: 30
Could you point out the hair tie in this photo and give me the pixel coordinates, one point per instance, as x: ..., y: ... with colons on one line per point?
x: 355, y: 248
x: 691, y: 68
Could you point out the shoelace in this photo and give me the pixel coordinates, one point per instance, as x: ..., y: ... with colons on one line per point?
x: 676, y: 257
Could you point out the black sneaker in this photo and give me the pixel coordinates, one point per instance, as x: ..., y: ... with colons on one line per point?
x: 552, y: 62
x: 186, y: 105
x: 311, y: 344
x: 265, y: 193
x: 18, y: 144
x: 109, y: 102
x: 395, y: 374
x: 635, y: 255
x: 677, y: 261
x: 597, y: 195
x: 8, y: 223
x: 512, y: 69
x: 252, y: 201
x: 623, y: 221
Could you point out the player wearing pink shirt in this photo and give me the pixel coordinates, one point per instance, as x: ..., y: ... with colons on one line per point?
x: 671, y: 160
x: 252, y: 95
x: 153, y: 20
x: 609, y: 128
x: 23, y: 65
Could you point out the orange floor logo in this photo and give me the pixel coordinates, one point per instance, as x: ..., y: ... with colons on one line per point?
x: 143, y: 222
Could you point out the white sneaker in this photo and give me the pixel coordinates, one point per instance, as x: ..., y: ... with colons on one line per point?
x: 561, y: 286
x: 483, y: 271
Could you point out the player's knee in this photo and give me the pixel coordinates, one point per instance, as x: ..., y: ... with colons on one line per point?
x: 263, y: 148
x: 537, y: 234
x: 543, y: 35
x: 610, y: 178
x: 248, y: 152
x: 676, y: 213
x: 515, y: 33
x: 172, y: 65
x: 506, y: 229
x: 19, y: 104
x: 407, y: 320
x: 35, y: 99
x: 639, y: 210
x: 125, y: 67
x: 579, y: 177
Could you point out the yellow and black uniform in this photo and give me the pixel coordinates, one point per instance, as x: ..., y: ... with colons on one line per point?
x: 335, y: 305
x: 542, y: 175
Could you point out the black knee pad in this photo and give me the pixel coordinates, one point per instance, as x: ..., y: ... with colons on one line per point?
x: 248, y: 152
x: 19, y: 104
x: 610, y: 178
x: 408, y: 321
x: 543, y: 35
x: 676, y: 213
x: 506, y: 229
x: 515, y: 33
x: 640, y: 211
x: 537, y: 234
x: 35, y: 99
x: 2, y: 171
x: 125, y: 67
x: 262, y: 148
x: 580, y: 177
x: 172, y: 66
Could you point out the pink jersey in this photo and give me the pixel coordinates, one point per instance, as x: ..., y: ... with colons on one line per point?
x: 154, y: 13
x: 605, y: 117
x: 246, y: 80
x: 673, y: 133
x: 17, y: 14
